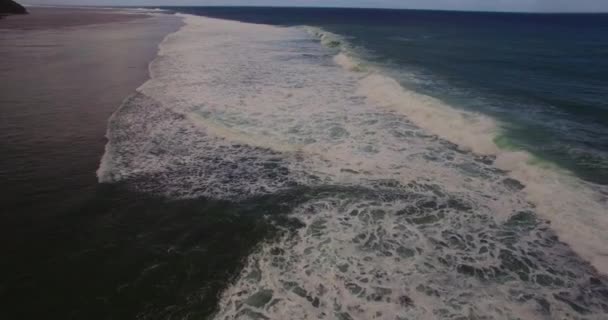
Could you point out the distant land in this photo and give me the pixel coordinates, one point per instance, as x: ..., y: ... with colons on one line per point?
x: 11, y: 7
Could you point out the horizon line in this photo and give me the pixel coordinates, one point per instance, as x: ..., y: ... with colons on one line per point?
x: 311, y: 7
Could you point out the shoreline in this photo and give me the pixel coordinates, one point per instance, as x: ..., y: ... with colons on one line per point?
x: 209, y: 212
x: 83, y: 66
x: 83, y: 69
x: 539, y: 183
x: 66, y: 74
x: 104, y: 159
x: 268, y: 113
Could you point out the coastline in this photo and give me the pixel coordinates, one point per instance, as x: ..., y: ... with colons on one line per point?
x: 69, y: 70
x: 216, y: 206
x: 82, y: 69
x: 473, y: 133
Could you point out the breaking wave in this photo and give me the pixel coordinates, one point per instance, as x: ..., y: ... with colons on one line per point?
x: 575, y: 207
x: 412, y: 210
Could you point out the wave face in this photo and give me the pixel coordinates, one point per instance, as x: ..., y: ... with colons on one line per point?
x: 395, y: 221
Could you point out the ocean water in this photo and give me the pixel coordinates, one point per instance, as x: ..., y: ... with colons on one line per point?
x: 542, y: 76
x: 328, y: 164
x: 403, y: 164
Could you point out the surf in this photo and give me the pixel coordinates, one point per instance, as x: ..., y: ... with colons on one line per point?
x: 408, y: 203
x: 575, y: 207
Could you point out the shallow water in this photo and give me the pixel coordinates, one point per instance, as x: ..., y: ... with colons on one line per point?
x: 378, y: 217
x: 66, y: 241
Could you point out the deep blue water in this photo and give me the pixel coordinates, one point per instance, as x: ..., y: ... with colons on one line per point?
x: 543, y: 76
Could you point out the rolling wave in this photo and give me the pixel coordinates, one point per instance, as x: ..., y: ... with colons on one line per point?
x: 575, y: 207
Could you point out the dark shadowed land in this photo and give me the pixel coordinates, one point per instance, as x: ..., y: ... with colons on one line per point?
x: 11, y: 7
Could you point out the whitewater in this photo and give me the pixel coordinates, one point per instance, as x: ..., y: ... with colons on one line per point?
x: 406, y: 207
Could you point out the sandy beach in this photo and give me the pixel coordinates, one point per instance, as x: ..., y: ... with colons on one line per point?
x: 69, y: 69
x: 65, y: 72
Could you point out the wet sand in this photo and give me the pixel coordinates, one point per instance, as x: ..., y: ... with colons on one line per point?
x: 64, y: 72
x: 61, y: 84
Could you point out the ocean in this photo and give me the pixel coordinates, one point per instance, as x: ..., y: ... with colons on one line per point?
x: 541, y: 75
x: 324, y: 163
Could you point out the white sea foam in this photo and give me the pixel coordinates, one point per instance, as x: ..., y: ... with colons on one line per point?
x: 362, y: 259
x: 401, y: 222
x: 576, y: 208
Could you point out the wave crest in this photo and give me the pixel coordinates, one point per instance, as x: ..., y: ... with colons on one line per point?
x: 575, y: 207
